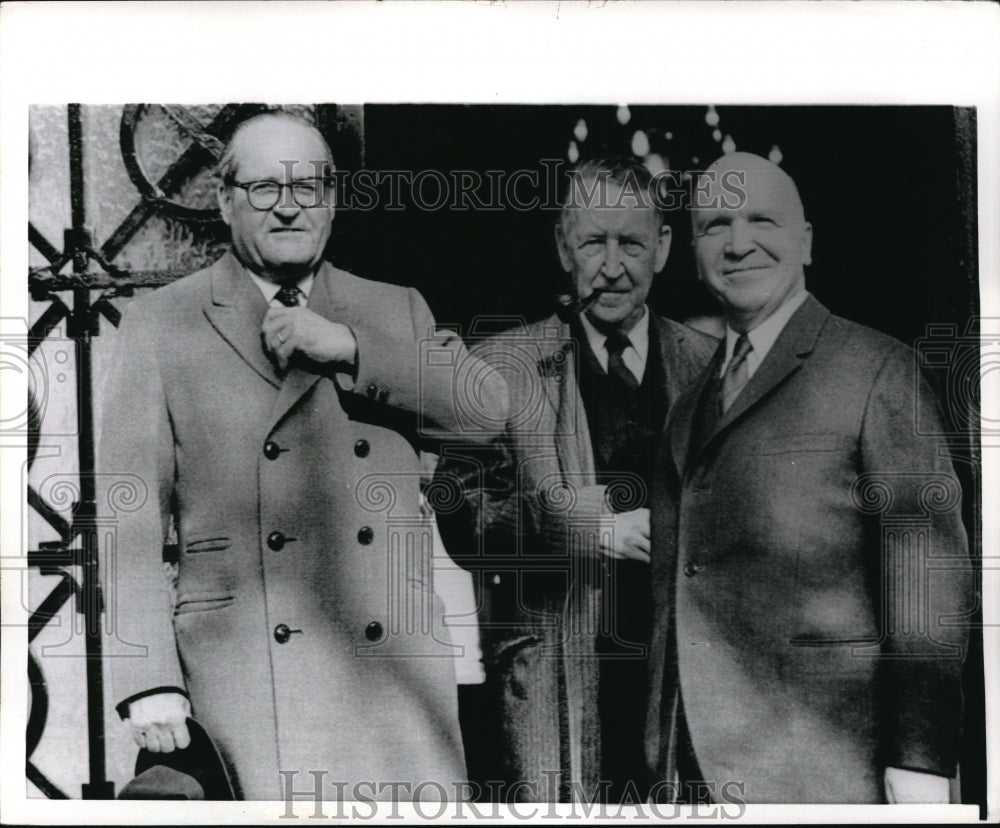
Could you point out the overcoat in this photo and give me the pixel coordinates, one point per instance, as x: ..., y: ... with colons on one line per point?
x: 811, y: 574
x: 528, y: 522
x: 303, y: 624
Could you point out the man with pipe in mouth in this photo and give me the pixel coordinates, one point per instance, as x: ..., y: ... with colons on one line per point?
x: 553, y: 518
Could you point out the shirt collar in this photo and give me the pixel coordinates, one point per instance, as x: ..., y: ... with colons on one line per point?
x: 270, y: 289
x: 763, y: 337
x: 638, y: 338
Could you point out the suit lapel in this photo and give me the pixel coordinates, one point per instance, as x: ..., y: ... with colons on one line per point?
x: 793, y: 346
x: 331, y: 298
x: 553, y: 357
x: 557, y: 369
x: 681, y: 417
x: 678, y: 371
x: 236, y: 310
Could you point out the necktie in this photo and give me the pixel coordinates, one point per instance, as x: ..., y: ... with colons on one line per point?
x: 616, y: 343
x: 289, y: 296
x: 737, y: 373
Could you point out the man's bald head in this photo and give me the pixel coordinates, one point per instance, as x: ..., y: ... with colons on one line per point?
x: 751, y: 239
x: 732, y: 175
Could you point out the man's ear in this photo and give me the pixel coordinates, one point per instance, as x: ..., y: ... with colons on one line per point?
x: 807, y: 243
x: 224, y: 197
x: 663, y: 248
x: 562, y: 245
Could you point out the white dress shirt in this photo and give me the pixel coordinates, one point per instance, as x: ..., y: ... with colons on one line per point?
x: 763, y: 337
x: 634, y: 356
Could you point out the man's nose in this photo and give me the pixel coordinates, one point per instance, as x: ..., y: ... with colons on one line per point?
x: 740, y: 239
x: 286, y: 204
x: 613, y: 266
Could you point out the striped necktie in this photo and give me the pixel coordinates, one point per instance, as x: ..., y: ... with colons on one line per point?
x: 737, y: 373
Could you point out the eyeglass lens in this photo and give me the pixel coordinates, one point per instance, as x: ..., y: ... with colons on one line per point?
x: 264, y: 195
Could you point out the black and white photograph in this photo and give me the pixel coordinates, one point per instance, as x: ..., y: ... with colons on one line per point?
x: 563, y: 452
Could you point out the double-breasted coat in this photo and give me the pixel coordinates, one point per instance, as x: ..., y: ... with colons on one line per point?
x: 528, y: 523
x: 303, y: 625
x: 811, y: 574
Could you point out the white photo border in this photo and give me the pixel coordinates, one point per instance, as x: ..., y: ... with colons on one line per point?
x: 481, y: 52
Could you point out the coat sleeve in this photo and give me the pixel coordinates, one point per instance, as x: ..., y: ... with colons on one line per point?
x: 405, y: 362
x: 480, y: 514
x: 509, y: 500
x: 919, y: 548
x: 490, y: 515
x: 135, y: 487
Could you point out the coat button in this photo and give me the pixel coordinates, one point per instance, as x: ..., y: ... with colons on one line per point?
x: 361, y: 448
x: 371, y: 391
x: 373, y: 632
x: 282, y: 633
x: 271, y: 450
x: 276, y: 541
x: 383, y: 396
x: 365, y: 535
x: 691, y: 568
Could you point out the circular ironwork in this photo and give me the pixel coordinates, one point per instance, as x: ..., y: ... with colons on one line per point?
x: 203, y: 152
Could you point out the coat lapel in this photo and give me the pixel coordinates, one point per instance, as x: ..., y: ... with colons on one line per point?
x: 553, y: 357
x: 331, y: 298
x: 793, y: 345
x: 681, y: 417
x: 557, y: 367
x: 236, y: 310
x: 678, y: 369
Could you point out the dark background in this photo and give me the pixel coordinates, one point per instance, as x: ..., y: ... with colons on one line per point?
x: 882, y: 186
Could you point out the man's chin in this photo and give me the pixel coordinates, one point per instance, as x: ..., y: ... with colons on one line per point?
x: 604, y: 317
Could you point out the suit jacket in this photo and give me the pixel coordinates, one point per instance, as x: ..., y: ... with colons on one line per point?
x: 304, y: 626
x: 811, y: 574
x: 527, y: 519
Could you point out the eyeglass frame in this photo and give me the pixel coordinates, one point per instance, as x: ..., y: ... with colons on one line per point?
x: 323, y: 180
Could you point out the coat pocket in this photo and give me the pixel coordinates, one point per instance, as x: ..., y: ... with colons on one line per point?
x: 213, y: 544
x: 201, y: 602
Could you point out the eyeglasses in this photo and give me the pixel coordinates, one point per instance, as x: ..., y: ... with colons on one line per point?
x: 264, y: 195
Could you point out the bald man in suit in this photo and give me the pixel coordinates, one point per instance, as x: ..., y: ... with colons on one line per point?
x: 810, y: 564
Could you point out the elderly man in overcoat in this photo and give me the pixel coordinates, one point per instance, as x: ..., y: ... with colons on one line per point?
x: 553, y: 515
x: 274, y: 409
x: 811, y: 570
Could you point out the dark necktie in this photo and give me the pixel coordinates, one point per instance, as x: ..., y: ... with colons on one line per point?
x: 737, y: 373
x: 288, y: 296
x: 616, y: 343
